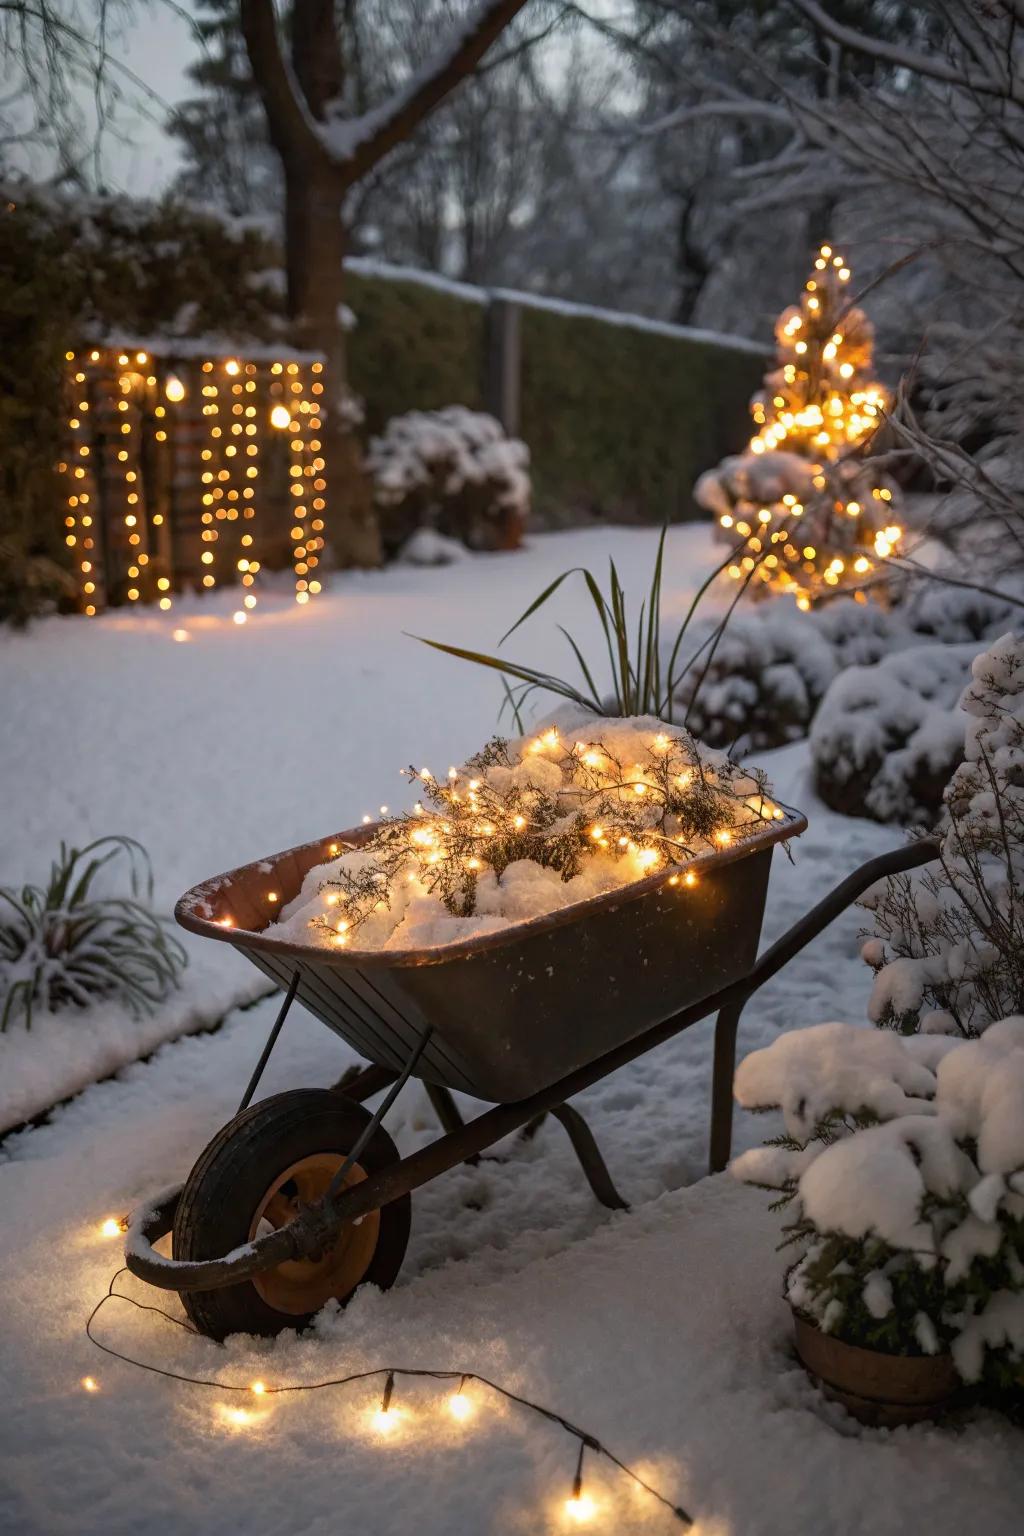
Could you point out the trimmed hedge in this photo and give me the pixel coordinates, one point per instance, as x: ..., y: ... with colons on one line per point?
x: 414, y: 348
x: 620, y: 420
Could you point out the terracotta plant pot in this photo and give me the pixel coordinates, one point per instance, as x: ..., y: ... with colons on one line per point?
x: 882, y: 1390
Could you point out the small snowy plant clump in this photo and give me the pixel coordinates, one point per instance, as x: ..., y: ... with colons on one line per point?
x: 527, y: 827
x: 902, y: 1162
x: 454, y: 471
x: 947, y: 945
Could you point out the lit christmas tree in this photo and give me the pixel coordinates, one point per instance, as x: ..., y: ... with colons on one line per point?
x: 806, y: 511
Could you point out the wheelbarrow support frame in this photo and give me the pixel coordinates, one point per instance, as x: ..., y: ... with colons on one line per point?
x: 464, y: 1141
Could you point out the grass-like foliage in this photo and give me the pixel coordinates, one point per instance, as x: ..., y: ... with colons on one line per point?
x: 65, y: 944
x: 642, y: 683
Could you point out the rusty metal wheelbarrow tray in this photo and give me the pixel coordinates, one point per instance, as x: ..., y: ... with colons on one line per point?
x: 512, y: 1011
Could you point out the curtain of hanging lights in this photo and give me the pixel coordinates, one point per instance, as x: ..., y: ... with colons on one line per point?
x: 164, y: 452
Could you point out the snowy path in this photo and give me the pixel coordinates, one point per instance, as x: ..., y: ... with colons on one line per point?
x: 661, y: 1331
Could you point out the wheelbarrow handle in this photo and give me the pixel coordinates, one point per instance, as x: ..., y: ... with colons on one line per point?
x: 732, y: 999
x: 897, y: 861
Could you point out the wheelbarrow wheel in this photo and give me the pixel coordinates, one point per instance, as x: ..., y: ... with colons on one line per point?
x: 254, y: 1175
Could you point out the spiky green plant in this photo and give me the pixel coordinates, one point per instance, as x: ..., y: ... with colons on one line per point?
x: 641, y: 684
x: 65, y: 945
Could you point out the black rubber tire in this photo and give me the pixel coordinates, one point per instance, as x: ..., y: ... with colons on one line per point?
x: 227, y: 1184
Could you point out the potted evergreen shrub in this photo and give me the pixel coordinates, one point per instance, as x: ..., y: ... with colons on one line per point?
x: 902, y: 1167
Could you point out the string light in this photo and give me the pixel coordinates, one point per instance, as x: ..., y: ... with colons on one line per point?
x: 579, y: 1507
x: 238, y: 404
x: 657, y: 815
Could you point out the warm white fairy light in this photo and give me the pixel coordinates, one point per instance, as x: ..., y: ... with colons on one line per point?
x: 78, y: 521
x: 241, y: 401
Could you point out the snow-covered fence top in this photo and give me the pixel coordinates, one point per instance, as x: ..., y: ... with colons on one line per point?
x: 369, y: 266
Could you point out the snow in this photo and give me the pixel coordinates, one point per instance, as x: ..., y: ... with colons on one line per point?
x: 428, y: 547
x: 412, y: 913
x: 829, y: 1067
x: 661, y: 1330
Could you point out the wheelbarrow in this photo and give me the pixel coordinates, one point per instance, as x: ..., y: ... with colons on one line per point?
x: 303, y: 1196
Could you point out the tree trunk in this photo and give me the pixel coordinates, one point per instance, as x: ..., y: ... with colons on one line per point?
x: 315, y: 241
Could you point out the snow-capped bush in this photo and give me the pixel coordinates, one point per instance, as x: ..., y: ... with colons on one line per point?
x: 65, y: 945
x: 763, y: 685
x: 772, y: 667
x: 947, y: 944
x: 454, y: 471
x: 888, y: 736
x: 903, y: 1163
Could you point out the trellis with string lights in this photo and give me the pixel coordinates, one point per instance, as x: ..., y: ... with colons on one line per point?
x: 184, y: 468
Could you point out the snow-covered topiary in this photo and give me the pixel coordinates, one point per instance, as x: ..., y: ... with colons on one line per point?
x: 947, y: 945
x: 454, y: 471
x: 903, y: 1163
x: 888, y: 736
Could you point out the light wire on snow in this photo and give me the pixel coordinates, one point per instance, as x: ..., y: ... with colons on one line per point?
x: 578, y: 1503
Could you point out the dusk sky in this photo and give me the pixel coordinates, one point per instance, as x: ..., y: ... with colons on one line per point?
x: 157, y: 45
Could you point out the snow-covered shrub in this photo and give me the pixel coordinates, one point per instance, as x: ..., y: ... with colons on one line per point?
x: 764, y: 683
x: 888, y: 736
x: 902, y: 1162
x: 454, y: 471
x: 66, y: 945
x: 947, y: 944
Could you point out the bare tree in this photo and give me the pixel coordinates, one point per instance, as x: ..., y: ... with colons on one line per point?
x: 325, y: 152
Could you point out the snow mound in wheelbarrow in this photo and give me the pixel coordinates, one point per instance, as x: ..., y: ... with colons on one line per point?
x: 527, y: 827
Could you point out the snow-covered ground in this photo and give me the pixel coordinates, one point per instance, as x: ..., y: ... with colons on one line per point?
x: 661, y: 1331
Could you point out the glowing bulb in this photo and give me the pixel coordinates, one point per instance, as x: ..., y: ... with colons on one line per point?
x: 580, y: 1507
x: 181, y: 635
x: 90, y: 1384
x: 174, y: 389
x: 111, y: 1227
x: 280, y: 417
x: 257, y: 1387
x: 231, y: 366
x: 459, y: 1406
x: 690, y: 878
x: 240, y: 616
x: 597, y: 833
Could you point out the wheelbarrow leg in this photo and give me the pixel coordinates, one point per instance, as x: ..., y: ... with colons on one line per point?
x: 289, y: 998
x: 726, y: 1026
x: 589, y: 1154
x: 445, y: 1107
x: 361, y: 1083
